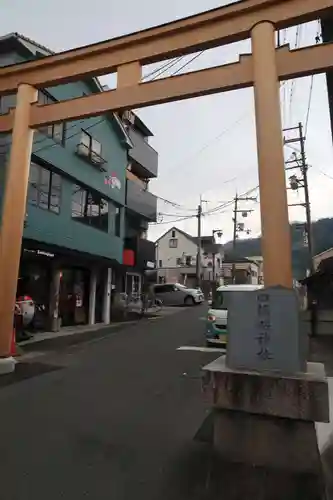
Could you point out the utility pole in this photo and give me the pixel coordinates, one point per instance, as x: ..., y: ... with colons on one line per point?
x: 235, y: 223
x: 239, y: 227
x: 219, y: 233
x: 296, y: 183
x: 198, y: 269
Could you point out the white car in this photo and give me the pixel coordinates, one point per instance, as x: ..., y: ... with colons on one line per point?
x: 175, y: 294
x: 217, y: 316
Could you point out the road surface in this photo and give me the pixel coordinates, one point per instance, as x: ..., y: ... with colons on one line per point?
x: 112, y: 419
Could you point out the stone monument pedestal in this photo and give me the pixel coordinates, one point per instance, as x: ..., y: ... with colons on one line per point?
x: 265, y: 421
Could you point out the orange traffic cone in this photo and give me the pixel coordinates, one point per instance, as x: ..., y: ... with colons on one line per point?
x: 14, y: 351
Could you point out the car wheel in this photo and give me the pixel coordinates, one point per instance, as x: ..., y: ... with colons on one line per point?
x: 189, y: 301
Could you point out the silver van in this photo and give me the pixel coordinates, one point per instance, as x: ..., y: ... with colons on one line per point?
x: 174, y: 294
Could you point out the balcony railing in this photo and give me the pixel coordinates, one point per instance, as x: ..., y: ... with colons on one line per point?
x: 83, y: 151
x: 143, y: 155
x: 141, y: 201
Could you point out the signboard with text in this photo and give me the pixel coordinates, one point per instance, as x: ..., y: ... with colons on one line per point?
x: 264, y: 331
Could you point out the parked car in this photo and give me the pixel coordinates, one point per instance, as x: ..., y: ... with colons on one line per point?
x: 174, y: 294
x: 216, y: 332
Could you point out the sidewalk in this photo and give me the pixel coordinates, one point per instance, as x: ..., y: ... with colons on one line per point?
x: 76, y: 334
x: 71, y: 335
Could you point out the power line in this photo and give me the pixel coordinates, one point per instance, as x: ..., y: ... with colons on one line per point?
x: 321, y: 172
x: 311, y: 86
x: 172, y: 221
x: 208, y: 144
x: 164, y: 67
x: 215, y: 211
x: 309, y: 106
x: 293, y: 83
x: 188, y: 62
x: 230, y: 202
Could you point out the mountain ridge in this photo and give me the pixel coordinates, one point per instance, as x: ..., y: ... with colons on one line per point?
x: 322, y: 231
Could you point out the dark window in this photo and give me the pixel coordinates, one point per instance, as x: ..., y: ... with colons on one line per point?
x: 173, y: 243
x: 90, y: 208
x: 159, y: 263
x: 57, y: 130
x: 115, y: 219
x: 173, y: 234
x: 163, y: 288
x: 179, y: 262
x: 44, y: 188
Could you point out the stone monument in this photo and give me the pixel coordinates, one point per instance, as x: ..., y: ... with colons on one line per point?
x: 265, y: 397
x: 266, y: 336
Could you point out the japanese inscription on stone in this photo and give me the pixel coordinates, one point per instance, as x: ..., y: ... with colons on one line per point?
x: 264, y: 331
x: 264, y: 325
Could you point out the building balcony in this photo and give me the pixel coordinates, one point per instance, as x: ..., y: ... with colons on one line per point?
x: 144, y: 252
x: 144, y: 157
x: 141, y: 201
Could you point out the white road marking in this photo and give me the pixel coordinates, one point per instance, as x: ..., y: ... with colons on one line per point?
x: 203, y: 318
x: 200, y: 349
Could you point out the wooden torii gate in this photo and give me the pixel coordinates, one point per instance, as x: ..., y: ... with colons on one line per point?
x: 263, y: 70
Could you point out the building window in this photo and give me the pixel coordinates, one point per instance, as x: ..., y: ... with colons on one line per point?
x: 160, y: 263
x: 178, y: 261
x: 115, y: 218
x: 173, y: 234
x: 90, y: 208
x: 91, y: 148
x: 44, y: 188
x: 173, y: 243
x: 7, y: 102
x: 188, y: 260
x: 57, y: 130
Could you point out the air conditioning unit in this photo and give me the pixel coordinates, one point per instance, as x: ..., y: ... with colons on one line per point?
x: 82, y: 150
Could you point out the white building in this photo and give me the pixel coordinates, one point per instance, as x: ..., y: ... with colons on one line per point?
x: 258, y: 259
x: 176, y: 257
x: 240, y: 270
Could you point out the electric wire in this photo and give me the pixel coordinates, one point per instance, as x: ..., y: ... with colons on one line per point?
x: 317, y: 39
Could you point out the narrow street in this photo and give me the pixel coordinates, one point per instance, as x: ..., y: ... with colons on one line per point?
x: 111, y: 419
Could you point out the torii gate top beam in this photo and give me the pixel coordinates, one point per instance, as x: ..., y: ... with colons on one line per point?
x: 210, y: 29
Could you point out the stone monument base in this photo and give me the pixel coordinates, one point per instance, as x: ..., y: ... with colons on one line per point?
x: 264, y: 423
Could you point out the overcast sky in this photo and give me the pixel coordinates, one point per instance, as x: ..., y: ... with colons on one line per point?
x: 206, y: 146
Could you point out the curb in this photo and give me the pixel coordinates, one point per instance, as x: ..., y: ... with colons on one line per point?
x: 64, y: 341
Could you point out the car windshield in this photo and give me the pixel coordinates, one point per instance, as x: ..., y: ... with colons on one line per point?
x: 222, y: 300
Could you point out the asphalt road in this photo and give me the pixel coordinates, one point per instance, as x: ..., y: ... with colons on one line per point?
x: 112, y: 419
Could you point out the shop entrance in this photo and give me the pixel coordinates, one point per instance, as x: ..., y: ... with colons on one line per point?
x: 34, y: 281
x: 133, y: 284
x: 74, y: 297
